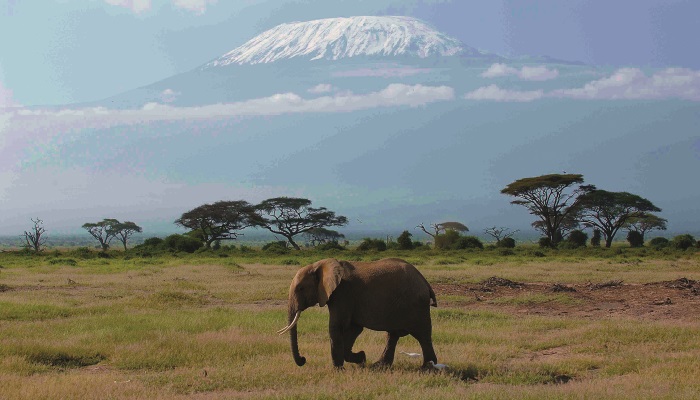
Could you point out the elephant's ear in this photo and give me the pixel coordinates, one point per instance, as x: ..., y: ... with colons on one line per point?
x: 330, y: 272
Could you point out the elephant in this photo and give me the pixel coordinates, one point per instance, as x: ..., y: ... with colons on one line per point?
x: 387, y: 295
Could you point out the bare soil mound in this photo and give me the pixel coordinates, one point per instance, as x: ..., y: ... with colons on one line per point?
x: 668, y: 300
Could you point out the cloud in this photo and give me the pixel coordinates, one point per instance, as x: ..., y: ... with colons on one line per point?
x: 495, y: 93
x: 196, y: 6
x: 321, y: 88
x: 137, y: 6
x: 387, y: 72
x: 633, y: 84
x: 31, y: 127
x: 539, y: 73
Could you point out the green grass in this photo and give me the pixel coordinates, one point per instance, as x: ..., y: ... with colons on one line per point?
x: 183, y: 326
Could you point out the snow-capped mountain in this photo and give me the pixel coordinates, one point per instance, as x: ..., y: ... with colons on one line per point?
x: 338, y: 38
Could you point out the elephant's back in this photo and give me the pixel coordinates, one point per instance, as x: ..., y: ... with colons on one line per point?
x: 398, y: 281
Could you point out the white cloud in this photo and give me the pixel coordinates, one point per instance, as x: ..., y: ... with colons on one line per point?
x: 321, y: 88
x: 137, y: 6
x: 495, y: 93
x: 632, y: 83
x: 393, y: 95
x: 196, y: 6
x: 539, y: 73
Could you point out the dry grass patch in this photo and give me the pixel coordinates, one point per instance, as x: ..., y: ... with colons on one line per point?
x: 205, y: 331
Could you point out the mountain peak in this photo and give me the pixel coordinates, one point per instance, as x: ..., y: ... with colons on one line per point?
x: 337, y: 38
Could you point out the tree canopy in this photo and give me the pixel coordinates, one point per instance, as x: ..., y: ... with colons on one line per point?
x: 218, y: 221
x: 290, y: 216
x: 610, y: 211
x: 124, y: 230
x: 443, y: 227
x: 645, y: 223
x: 103, y: 231
x: 317, y: 236
x: 552, y: 198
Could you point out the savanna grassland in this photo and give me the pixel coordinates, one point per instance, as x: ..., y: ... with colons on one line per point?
x: 593, y: 323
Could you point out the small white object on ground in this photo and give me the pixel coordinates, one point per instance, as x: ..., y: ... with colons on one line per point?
x: 437, y: 366
x: 414, y: 355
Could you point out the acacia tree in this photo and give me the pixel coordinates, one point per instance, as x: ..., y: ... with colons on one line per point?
x: 218, y: 221
x: 443, y: 227
x: 34, y: 239
x: 290, y: 216
x: 500, y: 233
x: 124, y: 230
x: 552, y: 198
x: 610, y: 211
x: 103, y: 231
x: 318, y: 236
x: 645, y: 223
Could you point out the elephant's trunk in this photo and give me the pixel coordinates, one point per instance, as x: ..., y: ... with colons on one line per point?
x: 293, y: 318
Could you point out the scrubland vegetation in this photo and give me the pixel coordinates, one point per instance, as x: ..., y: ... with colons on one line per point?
x: 170, y: 324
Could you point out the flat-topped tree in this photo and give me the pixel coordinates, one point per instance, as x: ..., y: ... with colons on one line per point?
x: 218, y: 221
x: 552, y: 198
x: 124, y: 230
x: 610, y: 211
x: 318, y: 236
x: 103, y: 231
x: 290, y: 216
x: 645, y: 223
x: 443, y: 227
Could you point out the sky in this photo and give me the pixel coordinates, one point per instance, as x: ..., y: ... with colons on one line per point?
x: 482, y: 127
x: 60, y: 52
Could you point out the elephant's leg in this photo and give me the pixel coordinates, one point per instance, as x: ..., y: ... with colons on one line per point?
x: 349, y: 337
x: 387, y: 357
x: 336, y: 332
x: 424, y: 337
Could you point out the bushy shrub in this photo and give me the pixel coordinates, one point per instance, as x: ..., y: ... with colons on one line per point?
x: 452, y: 240
x: 446, y: 240
x: 544, y: 242
x: 83, y: 252
x: 507, y: 243
x: 372, y: 244
x: 184, y: 243
x: 658, y: 242
x: 152, y: 242
x: 404, y: 241
x: 330, y: 246
x: 576, y: 239
x: 683, y: 242
x: 468, y: 242
x: 279, y: 247
x: 635, y: 239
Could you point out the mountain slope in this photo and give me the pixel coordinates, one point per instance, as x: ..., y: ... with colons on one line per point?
x: 338, y: 38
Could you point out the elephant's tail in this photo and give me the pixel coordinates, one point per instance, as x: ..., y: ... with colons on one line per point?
x: 433, y: 300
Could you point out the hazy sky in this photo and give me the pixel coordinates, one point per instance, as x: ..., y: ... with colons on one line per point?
x: 446, y: 140
x: 60, y: 51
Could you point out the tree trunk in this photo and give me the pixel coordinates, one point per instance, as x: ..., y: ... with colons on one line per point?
x: 293, y: 243
x: 608, y: 241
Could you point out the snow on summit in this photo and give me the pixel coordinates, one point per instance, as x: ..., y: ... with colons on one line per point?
x: 336, y: 38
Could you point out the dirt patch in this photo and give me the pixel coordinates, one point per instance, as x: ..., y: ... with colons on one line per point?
x: 669, y: 300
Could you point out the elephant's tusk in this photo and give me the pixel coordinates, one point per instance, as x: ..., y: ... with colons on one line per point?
x: 290, y: 326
